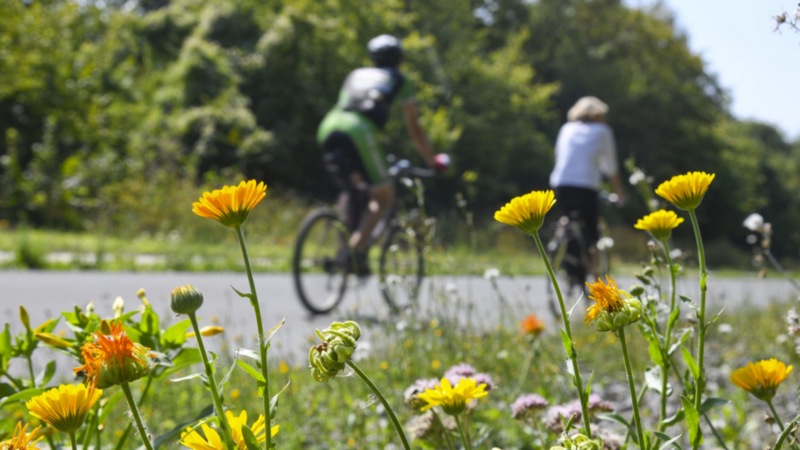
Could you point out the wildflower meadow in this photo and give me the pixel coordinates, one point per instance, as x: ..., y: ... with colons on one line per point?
x: 641, y: 367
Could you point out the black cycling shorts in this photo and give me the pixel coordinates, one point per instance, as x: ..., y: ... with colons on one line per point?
x: 342, y: 159
x: 583, y: 204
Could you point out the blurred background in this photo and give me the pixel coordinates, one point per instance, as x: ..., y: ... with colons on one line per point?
x: 116, y: 115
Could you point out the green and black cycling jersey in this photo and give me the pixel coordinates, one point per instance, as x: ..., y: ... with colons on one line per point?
x: 360, y: 113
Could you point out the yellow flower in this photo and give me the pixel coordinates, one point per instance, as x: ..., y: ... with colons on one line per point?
x: 283, y: 367
x: 235, y: 394
x: 613, y: 308
x: 527, y: 212
x: 193, y: 440
x: 52, y: 340
x: 435, y: 364
x: 21, y: 440
x: 762, y: 378
x: 231, y: 205
x: 384, y: 365
x: 64, y: 407
x: 686, y: 191
x: 660, y: 224
x: 114, y: 358
x: 207, y: 332
x: 453, y: 400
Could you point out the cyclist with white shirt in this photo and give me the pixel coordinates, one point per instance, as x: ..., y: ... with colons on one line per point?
x: 585, y: 152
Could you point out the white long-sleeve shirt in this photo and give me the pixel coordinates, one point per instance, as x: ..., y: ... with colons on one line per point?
x: 584, y: 152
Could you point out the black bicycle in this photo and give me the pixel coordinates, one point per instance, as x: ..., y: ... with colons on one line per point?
x: 322, y: 263
x: 568, y: 252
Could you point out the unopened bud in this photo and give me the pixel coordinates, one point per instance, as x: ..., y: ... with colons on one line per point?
x: 207, y: 332
x: 53, y: 340
x: 41, y: 327
x: 648, y: 271
x: 105, y: 327
x: 339, y: 343
x: 186, y: 299
x: 90, y: 308
x: 118, y: 307
x: 24, y: 317
x: 636, y: 290
x: 642, y: 278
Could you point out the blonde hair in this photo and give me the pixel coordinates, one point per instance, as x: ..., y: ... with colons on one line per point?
x: 586, y: 108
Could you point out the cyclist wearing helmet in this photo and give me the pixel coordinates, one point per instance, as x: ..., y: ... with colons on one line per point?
x: 349, y: 134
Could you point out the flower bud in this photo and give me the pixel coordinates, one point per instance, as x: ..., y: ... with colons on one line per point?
x: 24, y: 317
x: 649, y: 271
x: 90, y: 308
x: 53, y: 340
x: 636, y: 290
x: 105, y: 327
x: 186, y: 299
x: 207, y: 332
x: 118, y: 307
x: 642, y: 278
x: 339, y: 343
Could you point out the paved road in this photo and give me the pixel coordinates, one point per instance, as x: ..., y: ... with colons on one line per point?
x: 45, y: 294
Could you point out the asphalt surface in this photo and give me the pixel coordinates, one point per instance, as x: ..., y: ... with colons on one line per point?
x: 45, y: 294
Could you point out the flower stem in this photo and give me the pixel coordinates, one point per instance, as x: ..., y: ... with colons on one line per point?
x: 775, y: 414
x: 212, y: 384
x: 383, y: 401
x: 33, y: 375
x: 262, y: 349
x: 667, y: 340
x: 573, y: 357
x: 701, y: 315
x: 464, y: 439
x: 126, y: 388
x: 632, y: 387
x: 124, y: 437
x: 538, y: 429
x: 72, y: 440
x: 444, y: 430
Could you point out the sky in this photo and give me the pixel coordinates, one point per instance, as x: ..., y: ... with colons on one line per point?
x: 759, y: 68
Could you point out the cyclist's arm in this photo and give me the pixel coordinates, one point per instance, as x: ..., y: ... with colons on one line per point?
x: 421, y: 142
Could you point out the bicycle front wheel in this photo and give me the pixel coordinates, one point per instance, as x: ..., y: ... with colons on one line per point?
x: 320, y: 261
x: 401, y: 268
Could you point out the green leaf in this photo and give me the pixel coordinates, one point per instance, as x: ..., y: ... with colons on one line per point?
x: 250, y: 354
x: 243, y: 295
x: 227, y: 376
x: 160, y: 440
x: 711, y: 403
x: 693, y: 419
x: 273, y: 330
x: 250, y: 438
x: 687, y: 357
x: 567, y: 343
x: 689, y: 302
x: 671, y: 442
x: 250, y: 370
x: 670, y: 421
x: 6, y: 349
x: 186, y: 357
x: 200, y: 375
x: 109, y: 405
x: 655, y: 353
x: 676, y: 269
x: 716, y: 317
x: 614, y: 417
x: 149, y: 324
x: 47, y: 374
x: 686, y: 333
x: 6, y: 390
x: 588, y: 389
x: 175, y: 336
x: 127, y: 316
x: 273, y: 402
x: 577, y: 302
x: 673, y: 317
x: 653, y: 379
x: 20, y: 396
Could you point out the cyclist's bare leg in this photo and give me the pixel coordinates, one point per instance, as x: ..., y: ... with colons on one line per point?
x: 381, y: 197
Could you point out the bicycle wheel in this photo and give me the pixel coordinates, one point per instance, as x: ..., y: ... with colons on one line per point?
x: 319, y: 265
x: 401, y: 267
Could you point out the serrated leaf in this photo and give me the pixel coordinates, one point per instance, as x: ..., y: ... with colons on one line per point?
x: 250, y: 438
x: 273, y: 402
x: 273, y: 330
x: 614, y: 417
x: 250, y: 370
x: 690, y: 363
x: 108, y: 406
x: 671, y: 442
x: 655, y: 353
x: 689, y: 302
x: 565, y: 339
x: 693, y: 420
x: 711, y: 403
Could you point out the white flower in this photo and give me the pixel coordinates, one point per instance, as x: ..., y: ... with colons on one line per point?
x: 754, y: 222
x: 675, y: 253
x: 653, y: 203
x: 605, y: 243
x: 725, y: 328
x: 781, y: 338
x: 491, y: 274
x: 636, y: 177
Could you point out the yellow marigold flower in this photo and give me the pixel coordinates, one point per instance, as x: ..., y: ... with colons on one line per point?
x: 207, y: 331
x: 613, y: 308
x: 195, y: 441
x: 762, y: 378
x: 686, y: 191
x: 21, y: 440
x: 660, y: 224
x: 532, y: 325
x: 527, y: 212
x: 230, y: 205
x: 453, y: 400
x: 114, y: 358
x: 64, y: 407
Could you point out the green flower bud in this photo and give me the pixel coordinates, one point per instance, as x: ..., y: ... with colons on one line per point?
x: 578, y: 442
x: 186, y: 299
x: 636, y: 290
x: 642, y: 278
x: 339, y: 341
x: 648, y: 271
x: 114, y: 373
x: 24, y: 317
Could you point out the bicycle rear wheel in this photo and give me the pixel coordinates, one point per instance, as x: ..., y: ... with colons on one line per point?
x: 320, y: 261
x: 401, y: 268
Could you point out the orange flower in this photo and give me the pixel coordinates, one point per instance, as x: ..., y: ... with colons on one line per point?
x: 230, y: 205
x: 114, y: 359
x: 532, y: 325
x: 21, y: 440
